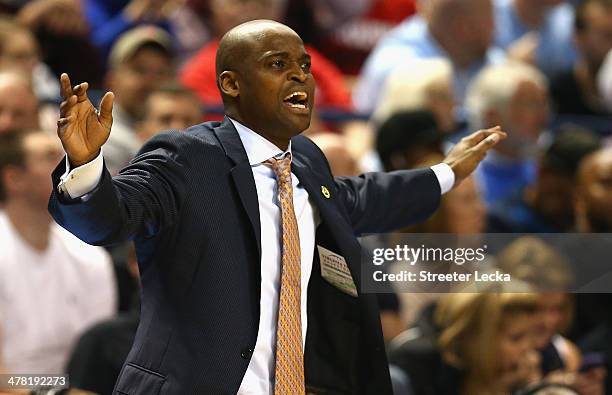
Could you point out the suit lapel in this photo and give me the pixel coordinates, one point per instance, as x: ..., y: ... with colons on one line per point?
x: 242, y: 175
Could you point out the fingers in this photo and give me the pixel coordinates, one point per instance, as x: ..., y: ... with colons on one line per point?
x: 490, y: 141
x: 81, y: 92
x: 106, y: 109
x: 480, y: 135
x: 66, y: 89
x: 65, y: 86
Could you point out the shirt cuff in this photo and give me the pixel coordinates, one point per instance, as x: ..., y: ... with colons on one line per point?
x: 83, y: 179
x: 445, y: 175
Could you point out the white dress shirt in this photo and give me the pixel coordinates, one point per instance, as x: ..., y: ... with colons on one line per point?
x: 258, y: 379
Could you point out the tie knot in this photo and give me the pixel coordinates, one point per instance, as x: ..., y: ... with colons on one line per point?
x: 281, y: 167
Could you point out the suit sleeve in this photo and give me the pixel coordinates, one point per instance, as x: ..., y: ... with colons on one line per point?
x: 384, y: 202
x: 142, y: 199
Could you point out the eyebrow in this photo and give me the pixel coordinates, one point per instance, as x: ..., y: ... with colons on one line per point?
x: 283, y: 54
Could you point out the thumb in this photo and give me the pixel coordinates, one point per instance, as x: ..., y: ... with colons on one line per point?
x: 106, y: 110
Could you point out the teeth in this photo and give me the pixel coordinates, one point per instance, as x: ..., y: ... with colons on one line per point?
x: 297, y: 106
x: 303, y: 95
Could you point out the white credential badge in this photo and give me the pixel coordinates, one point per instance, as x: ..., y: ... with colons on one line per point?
x: 336, y: 272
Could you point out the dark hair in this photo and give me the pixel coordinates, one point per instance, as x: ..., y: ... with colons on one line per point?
x: 404, y: 130
x: 580, y: 17
x: 570, y: 145
x: 172, y: 89
x: 12, y: 152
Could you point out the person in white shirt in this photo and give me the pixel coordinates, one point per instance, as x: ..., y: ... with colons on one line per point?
x: 52, y: 285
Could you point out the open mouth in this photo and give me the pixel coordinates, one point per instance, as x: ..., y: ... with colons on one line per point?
x: 297, y: 100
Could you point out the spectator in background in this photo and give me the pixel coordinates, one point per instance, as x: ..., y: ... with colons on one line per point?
x: 458, y: 30
x: 536, y: 32
x: 19, y: 52
x: 575, y: 90
x: 515, y: 96
x: 169, y: 107
x: 52, y: 285
x: 419, y: 84
x: 594, y: 193
x: 18, y: 103
x: 546, y: 206
x: 531, y: 260
x: 593, y: 215
x: 482, y: 345
x: 140, y: 62
x: 199, y: 73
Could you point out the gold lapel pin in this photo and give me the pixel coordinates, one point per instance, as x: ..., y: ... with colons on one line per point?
x: 325, y: 191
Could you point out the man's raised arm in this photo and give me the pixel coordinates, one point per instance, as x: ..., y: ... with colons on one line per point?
x: 82, y: 130
x: 91, y: 204
x: 383, y: 202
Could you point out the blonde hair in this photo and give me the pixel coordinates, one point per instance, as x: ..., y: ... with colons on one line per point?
x: 471, y: 324
x: 494, y: 87
x: 408, y: 87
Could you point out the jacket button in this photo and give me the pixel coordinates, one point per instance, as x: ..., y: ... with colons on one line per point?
x: 246, y: 353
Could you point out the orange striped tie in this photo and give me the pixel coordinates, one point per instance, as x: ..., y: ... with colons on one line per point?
x: 289, y: 370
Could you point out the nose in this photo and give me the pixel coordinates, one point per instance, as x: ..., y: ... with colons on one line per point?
x: 297, y: 74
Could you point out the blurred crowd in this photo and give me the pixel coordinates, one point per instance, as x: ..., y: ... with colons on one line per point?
x: 398, y: 82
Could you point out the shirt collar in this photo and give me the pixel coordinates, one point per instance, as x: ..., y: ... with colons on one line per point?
x: 257, y: 148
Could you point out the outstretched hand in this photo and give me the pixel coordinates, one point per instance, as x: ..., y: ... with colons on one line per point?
x: 81, y: 128
x: 471, y: 150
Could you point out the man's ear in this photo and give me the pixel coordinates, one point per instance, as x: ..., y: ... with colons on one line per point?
x: 228, y: 84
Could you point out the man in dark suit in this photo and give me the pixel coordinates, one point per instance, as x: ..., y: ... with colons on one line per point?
x: 237, y: 226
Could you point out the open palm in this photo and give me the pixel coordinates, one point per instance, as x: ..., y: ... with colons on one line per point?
x: 81, y: 128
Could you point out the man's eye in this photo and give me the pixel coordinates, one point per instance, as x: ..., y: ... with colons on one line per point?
x: 306, y: 67
x: 278, y: 64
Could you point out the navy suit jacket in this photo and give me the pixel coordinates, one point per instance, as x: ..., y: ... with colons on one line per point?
x: 189, y: 202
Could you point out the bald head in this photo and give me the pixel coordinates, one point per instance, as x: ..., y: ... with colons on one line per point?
x: 263, y: 74
x: 238, y: 43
